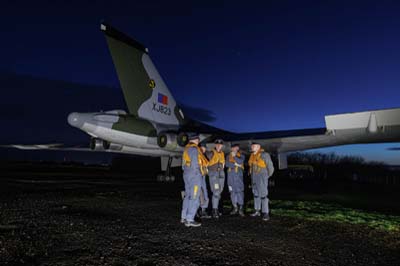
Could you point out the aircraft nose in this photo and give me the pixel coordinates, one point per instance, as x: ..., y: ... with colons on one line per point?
x: 75, y: 120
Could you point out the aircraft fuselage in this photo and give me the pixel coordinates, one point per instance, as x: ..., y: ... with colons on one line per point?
x: 121, y: 132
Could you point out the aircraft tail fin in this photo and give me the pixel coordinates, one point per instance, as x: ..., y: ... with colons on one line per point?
x: 145, y: 92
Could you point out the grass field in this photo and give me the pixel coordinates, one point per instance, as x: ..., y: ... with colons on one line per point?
x: 332, y: 212
x: 314, y: 210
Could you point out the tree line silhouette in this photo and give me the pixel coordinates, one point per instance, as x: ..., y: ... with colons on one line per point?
x: 330, y: 166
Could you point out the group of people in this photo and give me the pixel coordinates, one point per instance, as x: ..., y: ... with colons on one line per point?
x: 197, y: 163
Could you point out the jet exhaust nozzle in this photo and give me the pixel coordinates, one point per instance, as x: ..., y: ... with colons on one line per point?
x: 75, y: 120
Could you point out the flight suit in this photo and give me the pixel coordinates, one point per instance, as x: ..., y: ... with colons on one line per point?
x: 192, y: 176
x: 234, y: 165
x: 216, y: 175
x: 261, y: 168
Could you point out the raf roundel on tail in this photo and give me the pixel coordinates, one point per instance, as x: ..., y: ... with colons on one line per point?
x: 152, y: 84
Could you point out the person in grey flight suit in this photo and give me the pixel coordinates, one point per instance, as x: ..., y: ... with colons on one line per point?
x: 216, y: 175
x: 234, y: 164
x: 261, y: 168
x: 204, y: 200
x: 192, y: 177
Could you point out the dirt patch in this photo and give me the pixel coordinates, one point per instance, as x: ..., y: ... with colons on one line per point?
x: 117, y: 225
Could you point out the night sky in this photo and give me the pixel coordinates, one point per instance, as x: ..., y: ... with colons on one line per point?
x: 257, y: 66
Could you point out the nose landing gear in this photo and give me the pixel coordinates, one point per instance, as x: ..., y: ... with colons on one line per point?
x: 166, y: 176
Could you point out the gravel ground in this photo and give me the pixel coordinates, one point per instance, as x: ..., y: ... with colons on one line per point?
x: 74, y: 220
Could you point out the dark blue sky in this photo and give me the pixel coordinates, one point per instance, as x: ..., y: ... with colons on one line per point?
x: 259, y: 66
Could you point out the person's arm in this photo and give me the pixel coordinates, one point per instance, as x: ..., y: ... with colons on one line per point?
x: 239, y: 160
x: 229, y: 164
x: 270, y: 165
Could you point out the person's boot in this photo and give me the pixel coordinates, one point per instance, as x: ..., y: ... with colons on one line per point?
x: 234, y: 210
x: 204, y: 214
x: 265, y: 217
x: 241, y: 212
x: 256, y: 214
x: 192, y: 224
x: 215, y: 213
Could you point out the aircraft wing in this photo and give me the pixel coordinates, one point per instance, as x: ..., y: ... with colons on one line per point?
x: 124, y: 149
x: 351, y: 128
